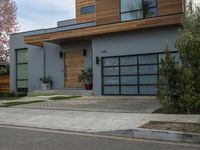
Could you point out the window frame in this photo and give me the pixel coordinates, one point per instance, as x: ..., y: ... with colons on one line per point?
x: 138, y: 10
x: 93, y: 10
x: 17, y: 64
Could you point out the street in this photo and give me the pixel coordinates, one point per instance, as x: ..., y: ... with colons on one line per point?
x: 18, y: 138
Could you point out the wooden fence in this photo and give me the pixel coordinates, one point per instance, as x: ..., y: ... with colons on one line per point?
x: 4, y: 84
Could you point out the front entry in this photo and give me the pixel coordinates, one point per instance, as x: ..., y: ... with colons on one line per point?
x: 73, y: 61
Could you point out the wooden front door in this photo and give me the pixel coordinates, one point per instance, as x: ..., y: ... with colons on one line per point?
x: 73, y: 61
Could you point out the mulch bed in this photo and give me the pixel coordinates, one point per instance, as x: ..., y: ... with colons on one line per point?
x: 173, y: 126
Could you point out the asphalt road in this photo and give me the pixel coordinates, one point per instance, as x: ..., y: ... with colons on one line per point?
x: 14, y: 138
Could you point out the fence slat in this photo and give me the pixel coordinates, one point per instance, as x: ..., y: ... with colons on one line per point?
x: 4, y: 84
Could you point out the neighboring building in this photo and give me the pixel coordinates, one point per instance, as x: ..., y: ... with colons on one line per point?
x: 122, y: 40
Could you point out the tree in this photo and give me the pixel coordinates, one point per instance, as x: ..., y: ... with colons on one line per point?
x: 188, y: 45
x: 169, y: 83
x: 181, y: 88
x: 8, y: 25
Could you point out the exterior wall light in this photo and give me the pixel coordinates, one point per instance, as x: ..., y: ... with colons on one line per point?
x: 97, y: 60
x: 61, y: 54
x: 84, y: 52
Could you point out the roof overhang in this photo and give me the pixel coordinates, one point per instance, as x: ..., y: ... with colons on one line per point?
x: 88, y: 32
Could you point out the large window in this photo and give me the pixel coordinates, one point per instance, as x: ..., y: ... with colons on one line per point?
x: 22, y: 70
x: 132, y: 75
x: 88, y: 9
x: 138, y: 9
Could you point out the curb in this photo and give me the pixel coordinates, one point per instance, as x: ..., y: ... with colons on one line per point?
x: 172, y: 136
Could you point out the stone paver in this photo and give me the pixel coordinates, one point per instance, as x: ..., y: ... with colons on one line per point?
x: 105, y: 104
x: 84, y: 121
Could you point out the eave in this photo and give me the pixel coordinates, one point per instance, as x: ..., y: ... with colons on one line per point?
x: 86, y: 32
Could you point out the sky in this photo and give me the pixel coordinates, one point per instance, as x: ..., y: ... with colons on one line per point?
x: 38, y: 14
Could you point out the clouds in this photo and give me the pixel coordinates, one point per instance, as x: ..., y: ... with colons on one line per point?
x: 36, y: 14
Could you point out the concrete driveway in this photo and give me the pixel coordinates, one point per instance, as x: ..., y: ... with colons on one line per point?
x: 129, y: 104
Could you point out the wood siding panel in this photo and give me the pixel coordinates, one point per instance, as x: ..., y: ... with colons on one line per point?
x: 4, y: 84
x: 85, y: 17
x: 103, y: 29
x: 107, y: 11
x: 167, y: 7
x: 73, y: 61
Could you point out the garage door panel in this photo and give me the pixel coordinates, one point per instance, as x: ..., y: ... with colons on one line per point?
x: 111, y: 90
x: 126, y: 80
x: 111, y: 71
x: 129, y: 70
x: 148, y: 69
x: 129, y: 90
x: 132, y: 75
x: 148, y: 90
x: 148, y: 79
x: 130, y: 60
x: 111, y: 80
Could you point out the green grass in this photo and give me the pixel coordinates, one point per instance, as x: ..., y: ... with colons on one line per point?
x: 9, y: 98
x: 10, y: 104
x: 63, y: 97
x: 40, y: 94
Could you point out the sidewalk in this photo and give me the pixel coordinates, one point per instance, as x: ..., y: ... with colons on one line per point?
x: 83, y: 121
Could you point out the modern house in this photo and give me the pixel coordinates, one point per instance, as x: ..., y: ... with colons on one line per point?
x: 122, y: 40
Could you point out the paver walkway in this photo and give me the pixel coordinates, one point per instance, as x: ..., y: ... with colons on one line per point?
x: 131, y: 104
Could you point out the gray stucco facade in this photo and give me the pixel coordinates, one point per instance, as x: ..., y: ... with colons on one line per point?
x: 46, y: 61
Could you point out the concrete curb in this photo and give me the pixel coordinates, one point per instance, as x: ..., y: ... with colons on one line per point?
x: 164, y: 135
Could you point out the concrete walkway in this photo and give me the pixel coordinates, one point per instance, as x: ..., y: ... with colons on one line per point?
x: 84, y: 121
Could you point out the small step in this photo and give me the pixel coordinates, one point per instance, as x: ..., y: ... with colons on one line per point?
x: 76, y: 92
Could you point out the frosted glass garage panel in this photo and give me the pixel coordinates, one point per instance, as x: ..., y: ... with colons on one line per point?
x: 129, y: 60
x: 131, y: 70
x: 148, y: 59
x: 148, y: 79
x: 111, y: 80
x: 111, y: 61
x: 149, y: 69
x: 129, y: 80
x: 111, y: 90
x: 129, y: 90
x: 111, y: 71
x: 148, y: 90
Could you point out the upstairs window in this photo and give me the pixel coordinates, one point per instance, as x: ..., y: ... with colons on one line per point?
x: 88, y: 9
x: 138, y: 9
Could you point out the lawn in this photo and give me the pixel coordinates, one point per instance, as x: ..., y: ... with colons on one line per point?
x: 56, y: 98
x: 10, y: 104
x: 9, y: 98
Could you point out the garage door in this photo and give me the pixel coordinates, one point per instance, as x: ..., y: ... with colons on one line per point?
x: 131, y: 75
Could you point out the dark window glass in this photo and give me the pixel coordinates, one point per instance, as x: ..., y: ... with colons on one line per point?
x: 88, y: 9
x: 138, y: 9
x: 22, y: 70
